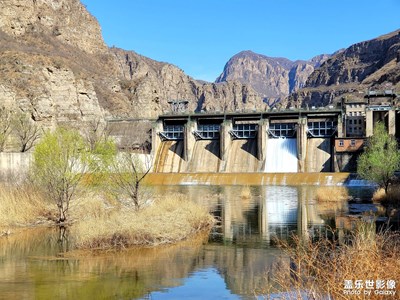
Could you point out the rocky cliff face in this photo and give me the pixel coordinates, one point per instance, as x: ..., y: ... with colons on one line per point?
x: 273, y: 78
x: 66, y: 20
x: 149, y: 85
x: 370, y: 64
x: 55, y: 66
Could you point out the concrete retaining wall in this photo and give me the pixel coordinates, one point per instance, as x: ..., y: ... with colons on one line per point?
x: 14, y: 164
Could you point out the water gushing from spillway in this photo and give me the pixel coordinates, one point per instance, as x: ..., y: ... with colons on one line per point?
x: 281, y: 156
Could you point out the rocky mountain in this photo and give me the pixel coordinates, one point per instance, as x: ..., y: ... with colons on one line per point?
x: 274, y: 78
x: 373, y: 64
x: 148, y: 85
x: 55, y: 65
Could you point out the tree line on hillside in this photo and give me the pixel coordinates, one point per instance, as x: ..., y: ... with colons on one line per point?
x: 19, y: 128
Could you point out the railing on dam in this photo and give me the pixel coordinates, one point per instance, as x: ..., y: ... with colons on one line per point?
x: 207, y: 131
x: 322, y: 128
x: 172, y: 132
x: 244, y: 131
x: 277, y: 130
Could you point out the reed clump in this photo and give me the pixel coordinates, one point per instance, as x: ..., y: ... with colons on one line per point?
x: 22, y: 205
x: 166, y: 221
x: 322, y: 269
x: 392, y: 196
x: 331, y: 194
x: 245, y: 192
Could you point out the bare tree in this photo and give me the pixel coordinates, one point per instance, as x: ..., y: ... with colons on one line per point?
x: 26, y: 130
x: 5, y: 126
x: 95, y: 132
x: 128, y: 173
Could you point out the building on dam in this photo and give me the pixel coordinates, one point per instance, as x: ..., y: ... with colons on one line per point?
x: 327, y: 139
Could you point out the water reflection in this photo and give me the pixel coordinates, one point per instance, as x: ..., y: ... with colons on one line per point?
x: 231, y: 263
x: 258, y: 215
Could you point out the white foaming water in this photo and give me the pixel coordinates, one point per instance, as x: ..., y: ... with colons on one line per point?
x: 281, y: 156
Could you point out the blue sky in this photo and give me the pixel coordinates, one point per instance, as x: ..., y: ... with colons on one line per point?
x: 199, y: 36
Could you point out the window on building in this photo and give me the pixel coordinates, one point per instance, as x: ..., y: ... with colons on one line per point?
x: 341, y: 143
x: 360, y: 121
x: 352, y: 143
x: 350, y: 121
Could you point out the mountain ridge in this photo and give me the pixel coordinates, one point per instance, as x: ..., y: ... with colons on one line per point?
x: 372, y: 64
x: 274, y: 78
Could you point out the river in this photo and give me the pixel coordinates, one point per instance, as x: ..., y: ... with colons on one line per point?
x: 230, y: 263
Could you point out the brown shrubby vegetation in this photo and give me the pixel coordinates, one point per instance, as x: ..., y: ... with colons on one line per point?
x: 319, y: 269
x: 332, y: 194
x: 392, y: 196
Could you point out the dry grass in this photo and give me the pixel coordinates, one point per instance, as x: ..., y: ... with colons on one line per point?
x: 390, y: 202
x: 245, y: 192
x: 21, y: 205
x: 318, y: 269
x: 392, y: 196
x: 331, y: 194
x: 166, y: 221
x: 379, y: 195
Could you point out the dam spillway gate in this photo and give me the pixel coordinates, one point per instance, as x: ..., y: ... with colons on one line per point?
x: 271, y: 142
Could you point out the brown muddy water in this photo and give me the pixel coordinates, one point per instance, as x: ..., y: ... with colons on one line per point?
x: 230, y: 263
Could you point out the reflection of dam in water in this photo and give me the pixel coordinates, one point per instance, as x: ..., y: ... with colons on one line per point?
x: 281, y: 205
x: 284, y: 142
x: 258, y: 213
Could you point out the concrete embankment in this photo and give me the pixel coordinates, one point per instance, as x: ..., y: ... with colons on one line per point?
x: 322, y: 179
x: 14, y: 164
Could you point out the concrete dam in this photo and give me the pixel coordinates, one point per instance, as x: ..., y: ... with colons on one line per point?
x: 290, y: 141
